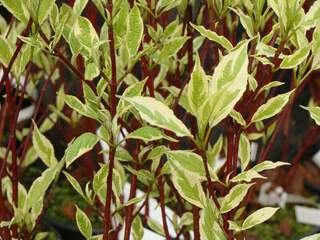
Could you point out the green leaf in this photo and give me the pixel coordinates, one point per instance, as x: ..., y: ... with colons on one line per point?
x: 258, y: 217
x: 188, y: 186
x: 79, y: 6
x: 312, y: 15
x: 137, y: 228
x: 24, y: 58
x: 44, y: 9
x: 155, y: 226
x: 41, y: 235
x: 244, y: 151
x: 74, y: 103
x: 272, y: 107
x: 269, y: 86
x: 99, y: 179
x: 292, y: 61
x: 246, y: 22
x: 246, y: 176
x: 198, y: 87
x: 314, y: 113
x: 5, y: 51
x: 74, y: 183
x: 171, y: 48
x: 79, y: 146
x: 83, y: 223
x: 17, y: 9
x: 267, y: 165
x: 238, y: 117
x: 227, y: 86
x: 91, y: 71
x: 43, y: 147
x: 209, y: 223
x: 85, y: 33
x: 156, y: 113
x: 40, y: 186
x: 148, y: 134
x: 234, y: 197
x: 132, y: 91
x: 134, y: 30
x: 188, y: 162
x: 212, y: 36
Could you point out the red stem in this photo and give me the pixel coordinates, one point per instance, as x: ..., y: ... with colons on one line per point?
x: 113, y: 90
x: 162, y: 206
x: 196, y: 218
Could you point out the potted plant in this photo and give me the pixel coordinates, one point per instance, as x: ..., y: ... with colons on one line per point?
x: 184, y: 83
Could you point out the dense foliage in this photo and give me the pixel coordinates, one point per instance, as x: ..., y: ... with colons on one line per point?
x: 140, y: 100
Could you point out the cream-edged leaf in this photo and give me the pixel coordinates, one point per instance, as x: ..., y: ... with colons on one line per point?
x: 158, y: 114
x: 198, y: 88
x: 83, y: 223
x: 43, y: 147
x: 213, y: 36
x: 272, y: 107
x: 258, y: 217
x: 314, y: 113
x: 244, y: 151
x: 148, y: 134
x: 267, y: 165
x: 234, y: 197
x: 79, y: 146
x: 134, y: 30
x: 292, y: 61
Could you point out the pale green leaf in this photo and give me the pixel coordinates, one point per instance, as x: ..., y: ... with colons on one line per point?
x: 238, y: 117
x: 198, y: 88
x: 246, y: 22
x: 292, y: 61
x: 74, y: 183
x: 43, y: 147
x: 74, y: 103
x: 267, y: 165
x: 17, y: 8
x: 246, y: 176
x: 134, y: 30
x: 189, y: 162
x: 44, y: 9
x: 91, y: 71
x: 83, y: 223
x: 234, y: 197
x: 5, y: 51
x: 227, y: 86
x: 132, y: 91
x: 155, y: 226
x: 149, y: 133
x: 244, y: 151
x: 171, y: 48
x: 137, y: 228
x: 209, y: 222
x: 312, y: 15
x: 234, y: 226
x: 85, y: 33
x: 314, y: 113
x: 213, y: 36
x: 188, y: 186
x: 79, y: 146
x: 79, y: 6
x: 272, y: 107
x: 258, y: 217
x: 156, y: 113
x: 269, y: 86
x: 40, y: 186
